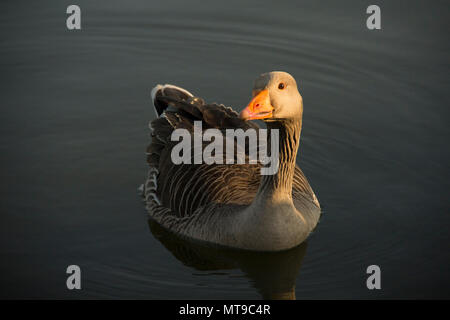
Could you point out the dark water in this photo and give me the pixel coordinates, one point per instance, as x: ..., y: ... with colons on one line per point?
x: 74, y: 112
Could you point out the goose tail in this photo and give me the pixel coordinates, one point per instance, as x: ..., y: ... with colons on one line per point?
x: 161, y: 94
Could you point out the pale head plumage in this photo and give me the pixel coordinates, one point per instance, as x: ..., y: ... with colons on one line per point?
x: 275, y: 97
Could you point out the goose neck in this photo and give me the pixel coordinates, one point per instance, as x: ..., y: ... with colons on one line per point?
x: 279, y: 185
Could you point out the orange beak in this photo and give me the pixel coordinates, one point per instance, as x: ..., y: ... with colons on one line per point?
x: 258, y: 108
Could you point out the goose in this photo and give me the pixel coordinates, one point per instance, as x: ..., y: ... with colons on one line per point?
x: 231, y: 205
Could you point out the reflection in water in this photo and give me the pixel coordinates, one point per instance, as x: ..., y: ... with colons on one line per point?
x: 374, y: 140
x: 272, y: 274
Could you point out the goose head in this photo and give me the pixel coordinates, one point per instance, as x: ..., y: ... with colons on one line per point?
x: 275, y: 98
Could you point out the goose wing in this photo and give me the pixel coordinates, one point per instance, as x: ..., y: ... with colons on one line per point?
x: 184, y: 188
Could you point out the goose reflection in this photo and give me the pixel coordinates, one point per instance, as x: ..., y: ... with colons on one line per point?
x: 273, y: 275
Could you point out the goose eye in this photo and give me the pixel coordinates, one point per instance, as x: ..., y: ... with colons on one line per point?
x: 281, y: 86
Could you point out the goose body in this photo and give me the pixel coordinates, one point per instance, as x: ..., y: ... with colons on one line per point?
x: 232, y: 205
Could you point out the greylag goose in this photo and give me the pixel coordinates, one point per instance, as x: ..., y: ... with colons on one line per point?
x: 231, y: 205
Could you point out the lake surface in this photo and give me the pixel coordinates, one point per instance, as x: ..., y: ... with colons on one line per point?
x: 75, y: 106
